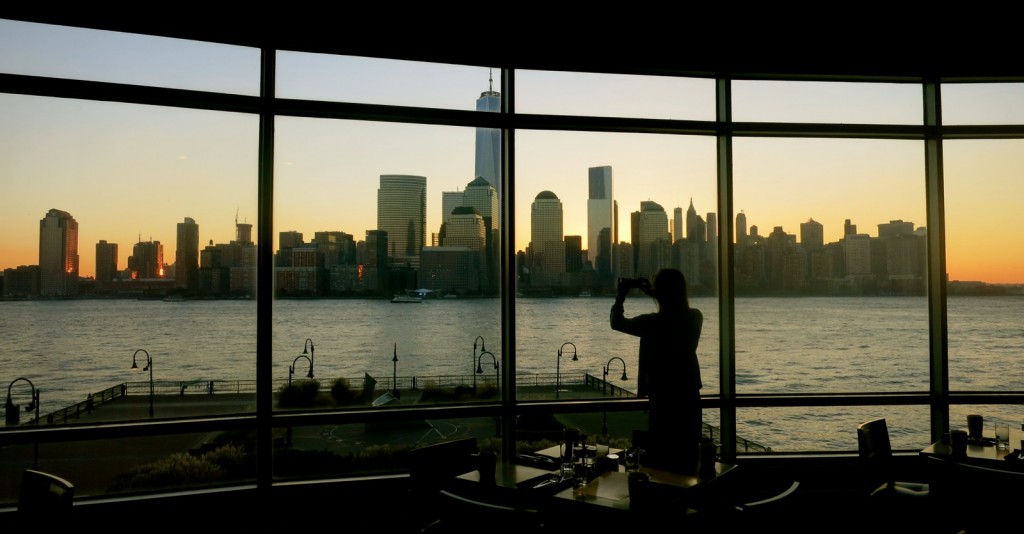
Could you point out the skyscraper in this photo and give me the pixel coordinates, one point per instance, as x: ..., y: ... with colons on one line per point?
x: 488, y: 140
x: 600, y: 216
x: 147, y: 260
x: 466, y: 228
x: 374, y: 276
x: 741, y: 229
x: 106, y: 263
x: 655, y: 250
x: 709, y: 277
x: 481, y: 196
x: 58, y: 254
x: 573, y: 253
x: 449, y: 201
x: 677, y: 224
x: 696, y: 228
x: 546, y: 244
x: 243, y: 233
x: 402, y: 213
x: 186, y: 256
x: 337, y: 248
x: 812, y: 236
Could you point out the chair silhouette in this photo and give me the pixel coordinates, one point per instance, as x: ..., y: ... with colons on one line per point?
x: 876, y: 455
x: 430, y: 468
x: 45, y: 493
x: 750, y: 502
x: 461, y: 513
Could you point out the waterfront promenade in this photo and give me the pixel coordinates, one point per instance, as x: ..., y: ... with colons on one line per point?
x: 92, y: 464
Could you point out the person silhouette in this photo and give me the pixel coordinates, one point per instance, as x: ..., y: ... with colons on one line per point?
x: 669, y: 372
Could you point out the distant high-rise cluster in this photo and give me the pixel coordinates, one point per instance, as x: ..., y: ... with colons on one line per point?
x: 225, y: 269
x: 893, y: 262
x: 462, y: 257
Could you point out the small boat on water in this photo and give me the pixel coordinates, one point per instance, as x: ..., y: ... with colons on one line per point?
x: 406, y: 298
x: 174, y: 298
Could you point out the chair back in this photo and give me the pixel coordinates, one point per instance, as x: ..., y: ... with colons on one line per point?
x: 875, y: 450
x: 431, y: 465
x: 45, y: 492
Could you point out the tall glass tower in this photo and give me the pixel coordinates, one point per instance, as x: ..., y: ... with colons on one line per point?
x: 58, y: 254
x: 488, y: 140
x: 601, y: 222
x: 402, y: 213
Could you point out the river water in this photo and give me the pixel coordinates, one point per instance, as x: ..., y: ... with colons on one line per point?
x: 69, y: 349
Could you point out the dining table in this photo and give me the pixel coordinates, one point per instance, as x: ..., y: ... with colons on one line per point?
x: 975, y: 490
x: 605, y: 499
x: 984, y: 451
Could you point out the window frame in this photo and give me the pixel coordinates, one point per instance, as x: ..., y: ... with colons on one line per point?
x: 267, y: 106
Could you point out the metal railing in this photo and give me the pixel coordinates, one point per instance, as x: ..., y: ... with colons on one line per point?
x: 210, y: 387
x: 85, y: 407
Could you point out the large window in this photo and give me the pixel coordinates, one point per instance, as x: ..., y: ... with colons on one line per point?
x: 129, y: 281
x: 399, y: 311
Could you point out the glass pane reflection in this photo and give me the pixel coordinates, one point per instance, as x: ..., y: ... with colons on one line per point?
x: 368, y: 80
x: 386, y: 263
x: 372, y: 448
x: 615, y: 95
x: 830, y: 428
x: 826, y: 102
x: 982, y: 103
x: 132, y: 465
x: 847, y: 238
x: 582, y: 199
x: 105, y: 56
x: 984, y: 260
x: 136, y: 209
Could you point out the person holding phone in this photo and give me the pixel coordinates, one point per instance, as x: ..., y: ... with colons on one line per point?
x: 669, y: 372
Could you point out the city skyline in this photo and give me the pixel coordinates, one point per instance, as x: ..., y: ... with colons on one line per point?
x: 152, y: 165
x: 650, y: 219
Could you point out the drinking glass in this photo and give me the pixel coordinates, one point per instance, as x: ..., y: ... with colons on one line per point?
x: 1002, y: 435
x: 632, y: 459
x: 974, y: 426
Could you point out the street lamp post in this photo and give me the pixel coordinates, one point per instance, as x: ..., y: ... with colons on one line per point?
x: 497, y: 370
x: 475, y: 361
x: 558, y: 365
x: 604, y: 415
x: 604, y: 383
x: 497, y: 382
x: 312, y: 350
x: 13, y: 416
x: 148, y: 367
x: 394, y: 375
x: 291, y: 368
